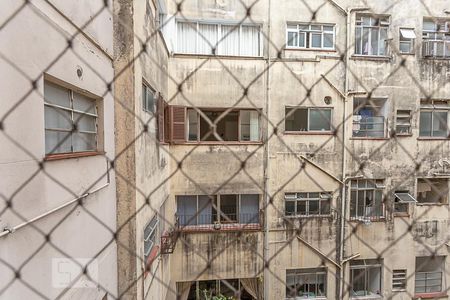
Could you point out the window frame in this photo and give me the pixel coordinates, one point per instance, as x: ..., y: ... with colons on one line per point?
x: 365, y: 265
x: 221, y: 110
x: 97, y: 115
x: 381, y: 112
x: 399, y: 279
x: 427, y: 107
x: 309, y: 32
x: 431, y: 37
x: 418, y: 270
x: 410, y: 41
x: 303, y: 272
x: 293, y: 108
x: 374, y: 189
x: 425, y: 179
x: 406, y: 119
x: 148, y: 89
x: 328, y: 197
x: 218, y: 24
x: 361, y: 26
x: 152, y: 238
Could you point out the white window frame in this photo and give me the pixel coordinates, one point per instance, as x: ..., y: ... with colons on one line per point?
x: 431, y: 37
x: 366, y: 264
x: 309, y: 118
x: 145, y: 104
x: 219, y: 25
x: 433, y: 108
x: 360, y: 25
x: 151, y: 238
x: 301, y: 31
x: 308, y: 271
x: 403, y: 119
x: 377, y: 185
x: 409, y: 41
x: 72, y: 112
x: 298, y: 197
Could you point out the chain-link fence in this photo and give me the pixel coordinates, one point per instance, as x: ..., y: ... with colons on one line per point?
x: 227, y: 149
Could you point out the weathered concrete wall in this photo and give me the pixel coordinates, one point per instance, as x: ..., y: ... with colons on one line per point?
x: 32, y: 41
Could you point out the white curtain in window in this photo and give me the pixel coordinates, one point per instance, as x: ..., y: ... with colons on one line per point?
x: 250, y: 41
x: 229, y: 44
x: 187, y: 37
x: 207, y: 38
x: 254, y: 126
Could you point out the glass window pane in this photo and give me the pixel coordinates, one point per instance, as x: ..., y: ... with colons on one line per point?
x: 374, y: 42
x: 367, y: 50
x: 187, y: 210
x: 289, y: 208
x: 83, y: 103
x: 228, y: 208
x: 84, y: 142
x: 192, y: 125
x: 440, y: 124
x: 85, y: 122
x: 207, y: 38
x: 316, y: 40
x: 358, y: 49
x: 302, y: 40
x: 249, y: 209
x: 328, y: 40
x: 56, y: 118
x: 328, y: 28
x: 204, y: 215
x: 314, y: 207
x: 250, y: 40
x: 56, y: 95
x: 405, y: 47
x: 186, y: 37
x: 230, y: 40
x: 320, y: 119
x: 296, y: 119
x: 58, y: 142
x: 301, y: 207
x: 382, y: 43
x: 425, y: 124
x: 292, y: 39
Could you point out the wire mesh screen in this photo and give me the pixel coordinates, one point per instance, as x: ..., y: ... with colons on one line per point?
x: 224, y: 149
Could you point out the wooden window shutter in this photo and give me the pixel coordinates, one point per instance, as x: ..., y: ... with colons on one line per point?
x: 160, y: 119
x: 166, y: 122
x: 178, y: 123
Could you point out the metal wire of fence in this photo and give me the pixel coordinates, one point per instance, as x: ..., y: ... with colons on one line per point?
x: 359, y: 202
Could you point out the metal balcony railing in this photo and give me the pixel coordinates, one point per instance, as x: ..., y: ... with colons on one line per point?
x: 372, y: 127
x: 436, y: 48
x: 250, y: 221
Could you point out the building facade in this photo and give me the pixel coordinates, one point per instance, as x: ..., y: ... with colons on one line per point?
x: 58, y: 209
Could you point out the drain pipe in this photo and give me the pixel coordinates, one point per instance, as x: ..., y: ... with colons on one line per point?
x: 266, y: 164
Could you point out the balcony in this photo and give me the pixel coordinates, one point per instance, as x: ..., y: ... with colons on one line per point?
x: 369, y: 127
x: 211, y: 222
x: 436, y: 48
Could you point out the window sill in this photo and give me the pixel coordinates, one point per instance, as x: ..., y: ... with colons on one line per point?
x: 308, y: 217
x: 403, y: 135
x: 401, y: 214
x: 222, y: 228
x: 217, y: 143
x: 310, y: 49
x: 435, y: 58
x: 374, y: 220
x: 370, y: 57
x: 187, y: 55
x: 366, y: 297
x: 50, y: 157
x: 433, y: 139
x: 409, y: 54
x: 369, y: 138
x: 430, y: 295
x: 308, y: 133
x: 431, y: 204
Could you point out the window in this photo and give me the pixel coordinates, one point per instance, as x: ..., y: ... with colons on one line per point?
x: 308, y: 119
x: 366, y: 199
x: 70, y: 120
x: 436, y: 38
x: 371, y: 35
x: 310, y: 36
x: 307, y: 204
x: 429, y: 274
x: 150, y: 237
x: 221, y: 39
x: 403, y: 122
x: 407, y: 38
x: 235, y: 125
x: 306, y: 283
x: 402, y: 201
x: 222, y: 209
x: 369, y: 118
x: 148, y: 99
x: 434, y: 118
x: 365, y: 278
x: 210, y: 289
x: 432, y: 190
x: 398, y: 280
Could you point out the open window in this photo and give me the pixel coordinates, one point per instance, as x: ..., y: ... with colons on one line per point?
x: 366, y: 199
x: 407, y: 40
x: 150, y: 240
x: 308, y: 119
x: 369, y: 118
x: 371, y: 35
x: 307, y: 204
x: 235, y: 125
x: 402, y: 200
x: 432, y: 190
x: 306, y: 283
x: 238, y: 289
x: 365, y: 278
x: 429, y: 274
